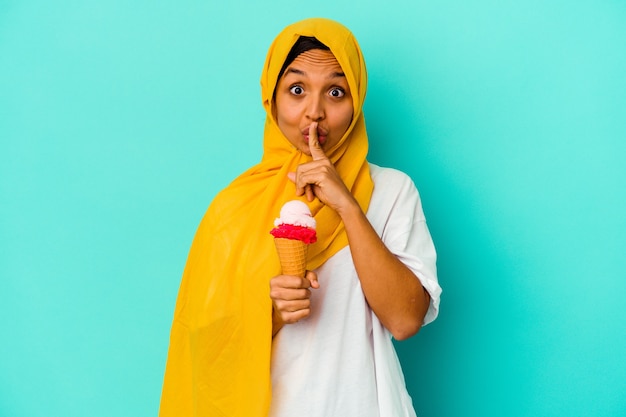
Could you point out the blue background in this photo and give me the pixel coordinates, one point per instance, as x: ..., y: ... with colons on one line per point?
x: 119, y: 121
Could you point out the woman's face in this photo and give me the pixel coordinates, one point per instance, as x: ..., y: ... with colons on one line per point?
x: 313, y: 88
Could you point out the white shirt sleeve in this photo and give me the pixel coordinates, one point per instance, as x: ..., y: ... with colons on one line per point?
x: 397, y: 215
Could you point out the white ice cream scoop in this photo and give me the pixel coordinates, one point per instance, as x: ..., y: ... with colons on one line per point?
x: 295, y: 213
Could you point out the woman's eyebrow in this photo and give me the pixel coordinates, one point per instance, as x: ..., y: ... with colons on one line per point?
x: 296, y: 71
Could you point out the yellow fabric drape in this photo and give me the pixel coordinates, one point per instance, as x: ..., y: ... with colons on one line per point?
x: 220, y: 344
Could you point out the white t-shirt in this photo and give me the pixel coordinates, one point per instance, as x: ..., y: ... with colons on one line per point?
x: 340, y: 361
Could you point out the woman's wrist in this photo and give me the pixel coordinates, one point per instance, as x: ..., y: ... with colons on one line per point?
x: 349, y: 209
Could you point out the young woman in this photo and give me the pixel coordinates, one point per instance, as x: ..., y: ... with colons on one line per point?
x: 249, y: 341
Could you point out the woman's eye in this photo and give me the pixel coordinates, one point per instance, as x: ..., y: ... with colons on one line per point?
x: 296, y: 89
x: 337, y: 92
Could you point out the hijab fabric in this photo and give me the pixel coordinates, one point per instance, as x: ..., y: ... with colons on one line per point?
x: 220, y: 343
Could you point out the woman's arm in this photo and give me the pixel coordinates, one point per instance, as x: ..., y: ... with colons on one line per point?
x: 392, y: 290
x: 390, y: 287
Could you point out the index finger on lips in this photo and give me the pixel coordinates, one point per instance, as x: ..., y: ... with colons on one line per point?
x: 314, y: 144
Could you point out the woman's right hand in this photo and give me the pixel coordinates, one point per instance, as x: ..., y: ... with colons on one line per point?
x: 291, y: 298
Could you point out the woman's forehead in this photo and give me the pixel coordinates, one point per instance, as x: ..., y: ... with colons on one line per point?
x: 316, y: 59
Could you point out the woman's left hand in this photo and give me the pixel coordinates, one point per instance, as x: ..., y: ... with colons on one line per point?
x: 320, y: 179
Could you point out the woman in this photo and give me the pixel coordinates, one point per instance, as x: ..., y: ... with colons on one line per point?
x: 248, y: 341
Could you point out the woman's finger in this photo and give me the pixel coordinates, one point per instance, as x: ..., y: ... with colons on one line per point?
x: 289, y: 294
x: 312, y: 277
x: 314, y: 144
x: 293, y: 317
x: 291, y: 306
x: 308, y: 190
x: 303, y: 188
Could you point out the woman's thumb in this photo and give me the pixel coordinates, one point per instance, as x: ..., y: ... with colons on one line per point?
x: 312, y: 277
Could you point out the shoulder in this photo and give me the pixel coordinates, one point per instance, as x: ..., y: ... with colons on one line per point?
x: 395, y: 195
x: 382, y: 174
x: 390, y: 182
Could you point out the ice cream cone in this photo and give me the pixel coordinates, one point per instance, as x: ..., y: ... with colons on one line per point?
x: 292, y: 255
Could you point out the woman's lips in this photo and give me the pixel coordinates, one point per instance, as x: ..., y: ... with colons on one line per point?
x: 321, y: 135
x: 320, y: 138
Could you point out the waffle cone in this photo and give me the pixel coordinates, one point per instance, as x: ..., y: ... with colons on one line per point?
x: 292, y: 256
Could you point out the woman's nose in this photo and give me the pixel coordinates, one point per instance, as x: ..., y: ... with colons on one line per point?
x: 315, y: 109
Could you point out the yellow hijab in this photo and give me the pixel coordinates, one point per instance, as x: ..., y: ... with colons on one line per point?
x: 220, y: 343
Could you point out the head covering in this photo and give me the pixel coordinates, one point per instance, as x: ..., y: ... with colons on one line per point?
x: 220, y: 343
